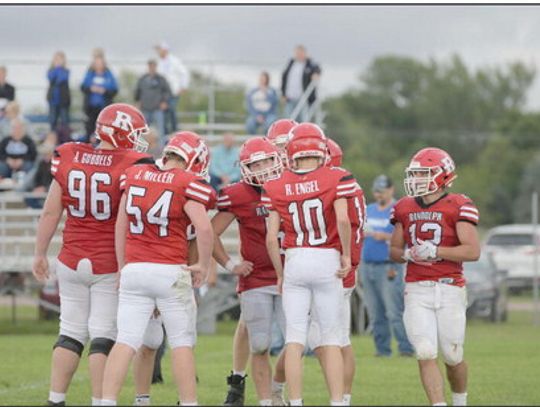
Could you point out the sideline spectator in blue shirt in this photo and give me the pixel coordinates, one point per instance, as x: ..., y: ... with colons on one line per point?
x: 99, y: 87
x: 262, y: 103
x: 224, y: 169
x: 381, y: 279
x: 58, y: 94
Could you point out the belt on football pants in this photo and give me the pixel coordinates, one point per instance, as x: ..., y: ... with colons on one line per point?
x: 431, y: 283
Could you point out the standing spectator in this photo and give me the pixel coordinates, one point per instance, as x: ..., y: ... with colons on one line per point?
x: 261, y: 103
x: 7, y: 91
x: 99, y: 87
x: 298, y: 74
x: 224, y: 169
x: 58, y: 94
x: 382, y: 280
x: 152, y: 95
x: 177, y: 75
x: 17, y: 152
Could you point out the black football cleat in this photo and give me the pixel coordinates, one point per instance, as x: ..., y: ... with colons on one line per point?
x: 237, y: 390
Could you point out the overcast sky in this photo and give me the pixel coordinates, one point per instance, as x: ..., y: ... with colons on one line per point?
x: 342, y: 39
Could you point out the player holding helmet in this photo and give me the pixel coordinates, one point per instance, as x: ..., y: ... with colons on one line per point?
x: 311, y: 200
x: 87, y: 184
x: 439, y: 230
x: 257, y: 285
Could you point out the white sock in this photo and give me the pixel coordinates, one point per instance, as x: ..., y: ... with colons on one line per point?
x: 442, y: 403
x: 277, y: 387
x: 96, y: 401
x: 459, y: 399
x: 240, y: 372
x: 296, y: 402
x: 106, y: 402
x: 347, y: 399
x: 142, y: 400
x: 265, y: 402
x: 57, y: 397
x: 188, y: 403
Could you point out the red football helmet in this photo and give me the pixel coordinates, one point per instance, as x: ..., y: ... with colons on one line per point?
x: 429, y: 170
x: 335, y: 154
x: 123, y: 126
x: 278, y: 133
x: 306, y: 140
x: 193, y: 150
x: 255, y: 150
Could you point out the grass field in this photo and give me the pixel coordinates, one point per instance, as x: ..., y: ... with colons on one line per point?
x: 504, y: 364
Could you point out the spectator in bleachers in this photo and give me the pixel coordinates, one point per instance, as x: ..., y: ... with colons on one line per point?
x: 58, y: 94
x: 7, y: 91
x: 298, y: 74
x: 12, y: 112
x: 42, y: 178
x: 99, y: 87
x: 177, y: 75
x: 224, y: 169
x: 17, y: 152
x: 262, y: 103
x: 152, y: 95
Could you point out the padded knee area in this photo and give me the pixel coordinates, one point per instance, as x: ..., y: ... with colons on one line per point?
x: 259, y: 344
x: 425, y: 350
x: 153, y: 336
x: 68, y: 343
x: 101, y: 345
x: 452, y: 353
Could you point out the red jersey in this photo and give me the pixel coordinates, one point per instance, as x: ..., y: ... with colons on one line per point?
x: 90, y: 182
x: 244, y: 202
x: 305, y: 203
x: 435, y: 222
x: 357, y: 215
x: 155, y: 199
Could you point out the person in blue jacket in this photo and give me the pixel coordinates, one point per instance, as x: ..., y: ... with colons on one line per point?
x: 99, y: 87
x: 262, y: 103
x: 58, y: 93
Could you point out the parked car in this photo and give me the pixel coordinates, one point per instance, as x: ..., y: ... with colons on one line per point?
x: 487, y: 290
x: 513, y: 248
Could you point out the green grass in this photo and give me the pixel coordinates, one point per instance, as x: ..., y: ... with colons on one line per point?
x: 504, y: 362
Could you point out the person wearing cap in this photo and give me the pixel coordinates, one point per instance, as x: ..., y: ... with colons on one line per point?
x: 177, y: 75
x: 382, y: 280
x: 152, y: 96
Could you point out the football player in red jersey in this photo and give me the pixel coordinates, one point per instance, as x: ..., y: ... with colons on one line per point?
x: 257, y: 284
x: 87, y: 184
x: 311, y: 200
x: 195, y: 149
x: 438, y: 229
x: 278, y: 133
x: 357, y: 215
x: 151, y: 245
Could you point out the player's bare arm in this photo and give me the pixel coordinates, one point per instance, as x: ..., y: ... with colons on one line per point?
x: 48, y: 222
x: 120, y: 233
x: 272, y: 242
x: 397, y: 244
x: 344, y: 231
x: 205, y: 240
x: 469, y: 247
x: 220, y: 222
